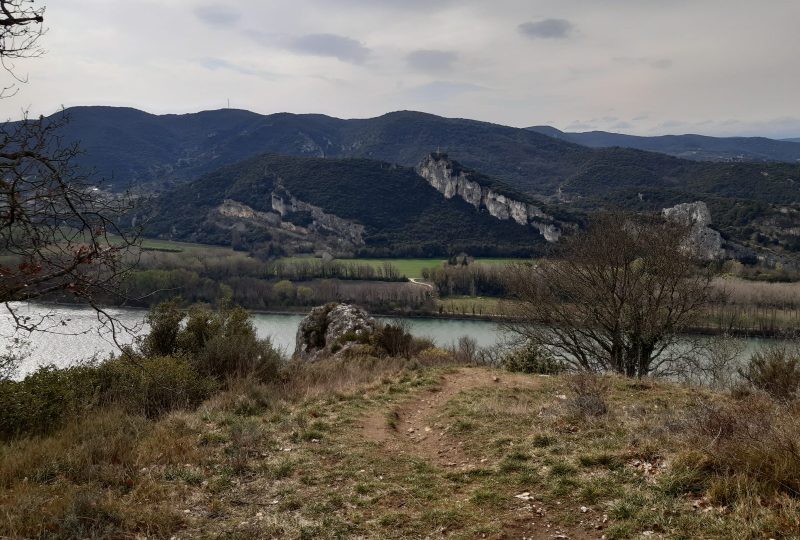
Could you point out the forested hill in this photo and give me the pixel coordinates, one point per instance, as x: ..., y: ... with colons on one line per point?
x: 401, y: 214
x: 695, y: 147
x: 136, y: 148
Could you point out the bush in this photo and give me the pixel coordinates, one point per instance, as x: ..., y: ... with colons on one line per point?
x: 45, y: 399
x: 589, y: 394
x: 394, y: 338
x: 218, y: 343
x: 51, y: 397
x: 466, y: 350
x: 152, y: 386
x: 776, y: 371
x: 165, y: 324
x: 532, y: 358
x: 748, y: 447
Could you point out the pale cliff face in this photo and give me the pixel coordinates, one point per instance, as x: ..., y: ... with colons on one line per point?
x: 703, y: 241
x: 439, y: 173
x: 351, y: 231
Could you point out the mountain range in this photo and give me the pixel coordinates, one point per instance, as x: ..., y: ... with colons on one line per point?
x: 694, y: 147
x: 751, y: 202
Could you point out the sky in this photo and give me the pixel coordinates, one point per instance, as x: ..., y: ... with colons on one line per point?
x: 647, y: 67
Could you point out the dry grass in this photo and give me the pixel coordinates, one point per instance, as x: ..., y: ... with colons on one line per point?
x: 262, y: 461
x: 759, y: 293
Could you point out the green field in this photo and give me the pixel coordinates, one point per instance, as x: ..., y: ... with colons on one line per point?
x: 411, y: 268
x: 178, y: 247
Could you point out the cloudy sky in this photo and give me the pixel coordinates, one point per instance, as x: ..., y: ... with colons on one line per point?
x: 720, y: 67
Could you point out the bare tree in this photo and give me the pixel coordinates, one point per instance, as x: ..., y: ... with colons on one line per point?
x: 20, y: 29
x: 58, y: 231
x: 616, y: 300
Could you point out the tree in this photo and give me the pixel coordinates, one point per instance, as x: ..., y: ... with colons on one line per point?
x: 616, y: 300
x: 20, y: 30
x: 58, y: 230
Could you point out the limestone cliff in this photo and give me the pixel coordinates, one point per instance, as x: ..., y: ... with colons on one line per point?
x: 292, y: 222
x: 284, y: 203
x: 452, y: 180
x: 705, y: 242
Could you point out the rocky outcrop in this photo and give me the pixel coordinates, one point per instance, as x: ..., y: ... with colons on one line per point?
x: 234, y: 209
x: 285, y: 203
x: 332, y: 328
x: 703, y: 241
x: 452, y: 180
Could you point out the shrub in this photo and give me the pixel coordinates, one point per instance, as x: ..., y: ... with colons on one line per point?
x: 44, y: 399
x: 466, y: 350
x: 165, y: 324
x: 744, y: 448
x: 218, y: 343
x: 435, y: 357
x: 50, y: 397
x: 394, y: 338
x: 532, y: 358
x: 776, y: 371
x: 589, y: 394
x: 152, y: 386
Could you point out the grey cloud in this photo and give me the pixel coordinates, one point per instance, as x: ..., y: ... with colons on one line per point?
x: 342, y: 47
x: 547, y: 29
x: 217, y: 16
x: 442, y: 90
x: 220, y: 64
x: 431, y: 60
x: 656, y: 63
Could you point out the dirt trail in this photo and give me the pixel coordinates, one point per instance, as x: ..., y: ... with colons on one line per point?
x: 420, y: 430
x: 419, y: 425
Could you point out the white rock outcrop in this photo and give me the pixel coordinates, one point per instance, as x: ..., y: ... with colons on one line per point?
x: 284, y: 202
x: 703, y: 241
x: 331, y: 328
x: 452, y: 181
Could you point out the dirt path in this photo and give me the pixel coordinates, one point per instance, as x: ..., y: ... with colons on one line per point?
x: 418, y: 427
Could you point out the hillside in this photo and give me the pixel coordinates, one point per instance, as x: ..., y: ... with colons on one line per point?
x: 694, y: 147
x: 135, y: 148
x: 351, y: 206
x: 752, y: 203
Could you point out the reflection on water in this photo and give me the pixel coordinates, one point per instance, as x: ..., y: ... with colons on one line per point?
x: 74, y: 337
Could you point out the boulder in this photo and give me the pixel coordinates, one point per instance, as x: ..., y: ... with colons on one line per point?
x: 703, y: 241
x: 330, y: 328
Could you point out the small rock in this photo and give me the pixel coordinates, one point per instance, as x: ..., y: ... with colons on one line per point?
x: 584, y: 509
x: 496, y: 378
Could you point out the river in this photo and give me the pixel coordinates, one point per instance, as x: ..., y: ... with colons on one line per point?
x: 73, y: 334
